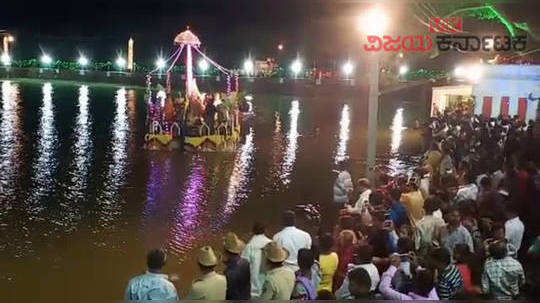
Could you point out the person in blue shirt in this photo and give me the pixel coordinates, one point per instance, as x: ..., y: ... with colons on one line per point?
x: 398, y: 212
x: 152, y: 285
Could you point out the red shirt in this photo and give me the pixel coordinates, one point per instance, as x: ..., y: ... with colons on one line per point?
x: 466, y: 275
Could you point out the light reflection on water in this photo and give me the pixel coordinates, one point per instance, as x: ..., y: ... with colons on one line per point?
x: 238, y: 189
x: 344, y: 122
x: 114, y: 191
x: 10, y: 146
x: 292, y: 144
x: 81, y: 150
x: 394, y: 164
x: 110, y: 201
x: 155, y: 187
x: 46, y: 163
x: 186, y: 223
x: 276, y: 155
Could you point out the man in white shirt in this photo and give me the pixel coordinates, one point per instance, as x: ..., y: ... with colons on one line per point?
x: 253, y: 253
x: 292, y: 239
x: 513, y: 227
x: 153, y: 285
x: 365, y: 190
x: 467, y: 191
x: 343, y: 187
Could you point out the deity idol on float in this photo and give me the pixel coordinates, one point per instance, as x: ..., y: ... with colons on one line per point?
x: 196, y: 121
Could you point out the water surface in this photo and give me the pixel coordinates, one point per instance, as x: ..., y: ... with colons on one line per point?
x: 81, y: 202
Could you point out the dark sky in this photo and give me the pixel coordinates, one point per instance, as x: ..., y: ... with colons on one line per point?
x: 229, y: 29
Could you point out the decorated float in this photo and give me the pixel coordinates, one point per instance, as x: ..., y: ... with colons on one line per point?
x: 195, y: 121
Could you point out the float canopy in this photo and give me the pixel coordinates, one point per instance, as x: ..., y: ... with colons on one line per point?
x: 188, y: 38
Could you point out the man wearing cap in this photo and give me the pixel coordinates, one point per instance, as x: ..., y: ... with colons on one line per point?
x: 153, y: 285
x: 280, y: 279
x: 292, y: 239
x: 237, y: 271
x: 211, y: 285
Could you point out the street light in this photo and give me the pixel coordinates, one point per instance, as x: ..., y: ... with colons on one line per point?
x: 373, y: 22
x: 403, y: 70
x: 160, y: 63
x: 120, y: 62
x: 459, y: 71
x: 6, y: 60
x: 348, y: 68
x: 248, y: 67
x: 296, y: 67
x: 6, y: 40
x: 471, y: 72
x: 280, y: 46
x: 203, y: 65
x: 474, y: 72
x: 83, y: 61
x: 46, y: 59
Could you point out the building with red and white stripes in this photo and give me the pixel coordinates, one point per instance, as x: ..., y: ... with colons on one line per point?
x: 506, y: 90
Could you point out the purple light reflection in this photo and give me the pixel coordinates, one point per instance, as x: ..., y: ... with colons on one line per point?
x: 155, y: 187
x: 186, y: 223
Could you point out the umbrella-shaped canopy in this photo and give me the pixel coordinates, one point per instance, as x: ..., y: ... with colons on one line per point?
x: 187, y: 37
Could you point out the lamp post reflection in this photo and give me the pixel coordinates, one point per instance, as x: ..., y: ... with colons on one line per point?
x: 344, y: 122
x: 10, y: 146
x: 82, y: 156
x: 394, y: 164
x: 45, y: 165
x: 292, y: 143
x: 274, y: 172
x: 238, y: 189
x: 109, y: 198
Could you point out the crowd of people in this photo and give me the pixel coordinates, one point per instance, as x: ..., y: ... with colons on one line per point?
x: 461, y: 225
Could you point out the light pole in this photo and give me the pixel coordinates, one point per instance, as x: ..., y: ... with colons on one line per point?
x: 120, y: 63
x: 248, y: 67
x: 296, y: 67
x: 203, y: 66
x: 6, y: 41
x: 373, y: 23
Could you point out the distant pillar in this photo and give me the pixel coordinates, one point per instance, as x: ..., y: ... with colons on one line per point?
x: 130, y: 55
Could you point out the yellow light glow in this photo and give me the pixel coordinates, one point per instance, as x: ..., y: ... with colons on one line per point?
x: 374, y: 22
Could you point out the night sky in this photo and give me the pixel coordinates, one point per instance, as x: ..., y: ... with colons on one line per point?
x: 320, y: 30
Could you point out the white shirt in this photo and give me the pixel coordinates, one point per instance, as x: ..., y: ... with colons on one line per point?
x: 342, y: 187
x: 424, y: 186
x: 467, y: 192
x: 293, y: 239
x: 362, y: 200
x: 438, y: 213
x: 514, y: 230
x: 150, y: 286
x: 253, y: 253
x: 344, y: 293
